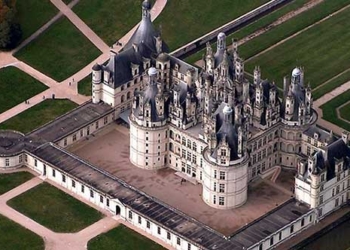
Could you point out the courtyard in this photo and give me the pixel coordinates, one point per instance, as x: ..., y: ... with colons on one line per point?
x: 109, y: 150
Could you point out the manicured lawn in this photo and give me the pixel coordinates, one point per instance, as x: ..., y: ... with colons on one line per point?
x: 60, y: 51
x: 109, y: 19
x: 14, y: 236
x: 12, y: 180
x: 16, y: 87
x: 84, y: 86
x: 329, y: 110
x: 321, y: 50
x: 185, y: 20
x: 33, y: 14
x: 290, y: 27
x: 46, y: 110
x: 251, y: 28
x: 336, y: 82
x: 55, y: 209
x: 122, y: 238
x: 345, y: 112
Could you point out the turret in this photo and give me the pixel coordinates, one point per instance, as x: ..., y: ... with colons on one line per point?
x: 246, y: 91
x: 259, y: 96
x: 221, y: 42
x: 146, y: 7
x: 209, y: 58
x: 289, y: 108
x: 239, y: 69
x: 240, y: 142
x: 96, y: 83
x: 257, y: 75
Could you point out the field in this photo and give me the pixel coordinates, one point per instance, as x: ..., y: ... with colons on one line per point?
x: 84, y: 86
x: 330, y: 114
x: 60, y: 51
x: 55, y: 209
x: 251, y: 28
x: 122, y: 238
x: 46, y: 110
x: 14, y: 236
x: 185, y: 20
x: 322, y: 51
x: 32, y: 14
x: 109, y: 19
x: 332, y: 84
x: 16, y: 87
x: 12, y: 180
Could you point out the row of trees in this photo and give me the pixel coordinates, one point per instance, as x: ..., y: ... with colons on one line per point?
x: 10, y: 30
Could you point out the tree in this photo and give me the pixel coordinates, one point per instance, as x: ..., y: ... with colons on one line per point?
x: 10, y: 30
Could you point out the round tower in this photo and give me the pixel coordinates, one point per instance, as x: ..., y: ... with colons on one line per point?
x: 96, y: 83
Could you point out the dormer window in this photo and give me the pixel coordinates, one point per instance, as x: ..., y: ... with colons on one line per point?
x: 315, y: 136
x: 223, y: 152
x: 176, y: 67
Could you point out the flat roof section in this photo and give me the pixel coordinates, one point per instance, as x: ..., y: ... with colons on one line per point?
x: 109, y: 150
x: 72, y: 121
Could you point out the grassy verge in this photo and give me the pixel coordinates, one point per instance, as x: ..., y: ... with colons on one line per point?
x: 60, y: 51
x: 251, y: 28
x: 185, y: 20
x: 84, y: 86
x: 14, y: 236
x: 46, y: 110
x: 329, y: 108
x: 55, y: 209
x: 345, y: 112
x: 32, y: 14
x: 313, y: 49
x: 12, y: 180
x: 109, y: 19
x: 290, y: 27
x: 122, y: 238
x: 16, y: 87
x: 336, y: 82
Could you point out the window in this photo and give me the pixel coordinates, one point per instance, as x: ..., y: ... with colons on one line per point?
x: 183, y: 153
x: 74, y: 137
x: 189, y: 155
x: 178, y: 241
x: 337, y: 202
x: 302, y: 223
x: 139, y: 219
x: 148, y: 224
x: 271, y: 241
x: 73, y: 183
x: 65, y: 142
x: 189, y: 143
x: 292, y: 229
x: 91, y: 193
x: 82, y: 188
x: 158, y: 230
x: 321, y: 199
x: 130, y: 215
x: 215, y: 174
x: 189, y: 246
x: 184, y: 141
x: 222, y: 188
x: 280, y: 236
x: 214, y: 199
x: 223, y: 152
x: 221, y: 201
x: 107, y: 202
x: 25, y: 158
x: 222, y: 175
x: 7, y: 162
x: 101, y: 198
x: 310, y: 218
x: 168, y: 236
x: 53, y: 172
x: 63, y: 178
x: 194, y: 146
x: 35, y: 162
x: 20, y: 158
x: 81, y: 133
x: 214, y: 186
x: 96, y: 125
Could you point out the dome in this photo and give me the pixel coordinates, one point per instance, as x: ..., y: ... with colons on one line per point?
x: 163, y: 57
x: 227, y: 110
x: 221, y: 35
x: 152, y: 71
x: 96, y: 67
x: 296, y: 72
x: 146, y: 4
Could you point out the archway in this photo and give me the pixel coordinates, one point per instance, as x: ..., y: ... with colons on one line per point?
x: 117, y: 210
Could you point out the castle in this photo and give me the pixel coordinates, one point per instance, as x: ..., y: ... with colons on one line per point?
x: 216, y: 126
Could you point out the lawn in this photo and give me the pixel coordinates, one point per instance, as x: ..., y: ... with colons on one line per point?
x: 251, y: 28
x: 14, y: 236
x: 46, y: 110
x: 109, y: 19
x: 336, y: 82
x: 60, y: 51
x: 290, y: 27
x: 55, y: 209
x: 33, y: 14
x: 84, y: 86
x: 185, y: 20
x: 11, y: 180
x: 329, y: 110
x: 16, y: 87
x: 321, y: 50
x: 345, y: 112
x: 122, y: 238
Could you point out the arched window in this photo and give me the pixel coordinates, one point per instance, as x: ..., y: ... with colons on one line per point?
x: 122, y: 98
x: 128, y: 95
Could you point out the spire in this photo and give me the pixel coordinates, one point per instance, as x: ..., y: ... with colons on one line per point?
x: 146, y: 7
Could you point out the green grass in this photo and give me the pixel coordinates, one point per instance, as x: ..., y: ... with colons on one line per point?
x: 46, y: 110
x: 322, y: 51
x: 33, y: 14
x: 84, y: 86
x: 55, y: 209
x: 290, y: 27
x: 251, y: 28
x: 329, y: 110
x: 14, y: 236
x: 12, y: 180
x: 16, y: 87
x: 345, y: 112
x: 185, y: 20
x: 109, y: 19
x: 122, y: 238
x: 60, y: 51
x: 336, y: 82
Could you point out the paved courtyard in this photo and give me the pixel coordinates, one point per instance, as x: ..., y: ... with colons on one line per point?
x: 109, y: 150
